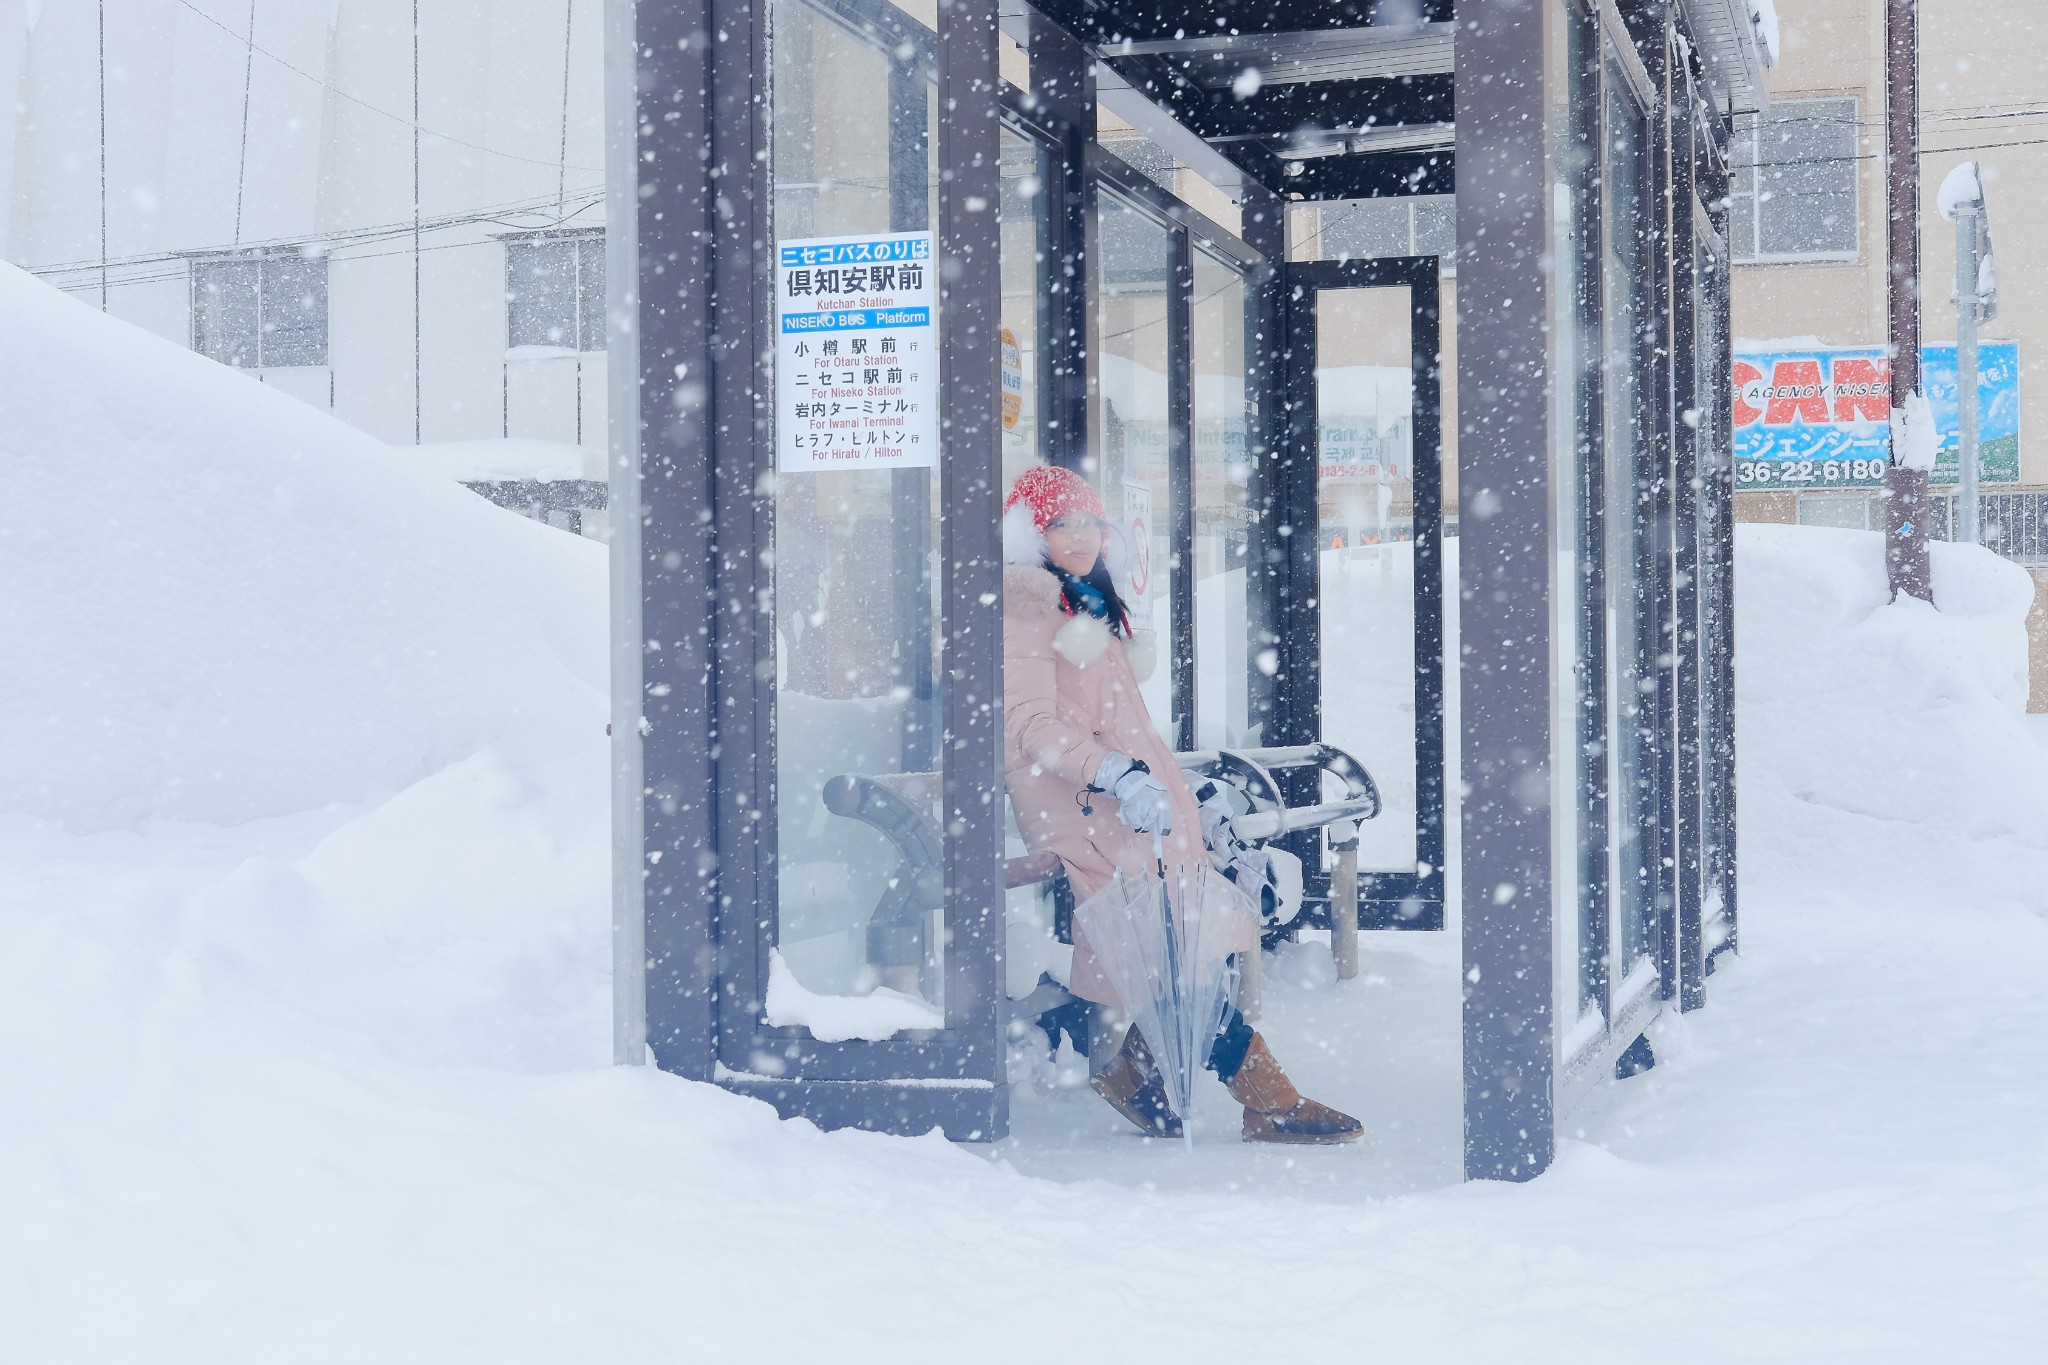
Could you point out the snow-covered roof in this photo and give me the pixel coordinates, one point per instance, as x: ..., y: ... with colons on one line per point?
x: 1738, y: 42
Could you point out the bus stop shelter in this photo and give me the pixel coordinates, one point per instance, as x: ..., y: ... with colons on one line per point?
x: 1377, y: 326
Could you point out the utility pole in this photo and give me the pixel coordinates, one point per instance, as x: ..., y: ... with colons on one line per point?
x: 1907, y: 501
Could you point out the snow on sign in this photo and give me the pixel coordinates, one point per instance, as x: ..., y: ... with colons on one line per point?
x: 857, y: 359
x: 1819, y: 417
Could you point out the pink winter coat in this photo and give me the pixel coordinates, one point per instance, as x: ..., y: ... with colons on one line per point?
x: 1070, y: 697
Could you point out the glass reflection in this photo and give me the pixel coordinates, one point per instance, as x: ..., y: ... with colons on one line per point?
x: 1134, y: 272
x: 856, y: 913
x: 1223, y: 515
x: 1631, y: 518
x: 1365, y: 408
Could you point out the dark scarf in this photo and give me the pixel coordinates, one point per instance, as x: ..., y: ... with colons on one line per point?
x: 1094, y: 595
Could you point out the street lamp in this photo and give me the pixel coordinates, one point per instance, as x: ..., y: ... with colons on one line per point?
x: 1976, y: 299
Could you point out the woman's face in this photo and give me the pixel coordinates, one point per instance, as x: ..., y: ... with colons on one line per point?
x: 1074, y: 543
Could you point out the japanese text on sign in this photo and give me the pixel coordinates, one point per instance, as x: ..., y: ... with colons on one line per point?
x: 857, y: 364
x: 1819, y: 417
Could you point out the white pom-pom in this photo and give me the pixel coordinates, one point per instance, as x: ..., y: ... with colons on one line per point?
x: 1081, y: 641
x: 1023, y: 543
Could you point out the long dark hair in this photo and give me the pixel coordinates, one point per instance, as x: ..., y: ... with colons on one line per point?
x: 1093, y: 594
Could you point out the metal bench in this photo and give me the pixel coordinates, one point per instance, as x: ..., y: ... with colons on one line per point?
x: 898, y: 805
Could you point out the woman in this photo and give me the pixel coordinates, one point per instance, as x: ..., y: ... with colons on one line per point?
x: 1091, y: 781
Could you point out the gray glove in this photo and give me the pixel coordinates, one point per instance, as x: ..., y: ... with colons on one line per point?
x: 1142, y: 801
x: 1229, y: 853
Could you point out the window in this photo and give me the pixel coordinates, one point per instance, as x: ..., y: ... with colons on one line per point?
x: 1631, y: 513
x: 260, y: 310
x: 1367, y: 229
x: 1795, y: 182
x: 554, y: 291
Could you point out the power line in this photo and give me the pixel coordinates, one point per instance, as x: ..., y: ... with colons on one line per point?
x: 168, y: 275
x: 418, y: 390
x: 1925, y: 152
x: 1836, y: 120
x: 568, y: 39
x: 583, y: 198
x: 248, y: 91
x: 340, y: 93
x: 181, y: 268
x: 103, y: 154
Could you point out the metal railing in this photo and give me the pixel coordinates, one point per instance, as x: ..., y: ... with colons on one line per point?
x: 2015, y: 523
x: 2014, y: 520
x: 558, y: 502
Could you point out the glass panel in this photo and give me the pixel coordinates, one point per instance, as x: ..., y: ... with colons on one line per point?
x: 1710, y: 287
x: 1366, y: 229
x: 1365, y: 400
x: 1223, y: 517
x: 1023, y: 208
x: 1580, y: 622
x: 224, y: 310
x: 1136, y: 269
x: 1630, y: 515
x: 590, y: 334
x: 540, y: 288
x: 294, y: 307
x: 1436, y: 226
x: 857, y: 912
x: 1742, y: 187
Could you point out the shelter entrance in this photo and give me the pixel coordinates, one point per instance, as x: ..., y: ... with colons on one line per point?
x: 1366, y: 665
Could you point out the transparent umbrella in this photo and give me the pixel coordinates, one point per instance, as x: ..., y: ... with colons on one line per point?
x: 1164, y: 945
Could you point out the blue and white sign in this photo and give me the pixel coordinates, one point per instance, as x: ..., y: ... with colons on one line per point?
x: 1818, y: 417
x: 857, y: 359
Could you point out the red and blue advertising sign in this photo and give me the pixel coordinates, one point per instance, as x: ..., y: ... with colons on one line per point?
x: 1819, y: 417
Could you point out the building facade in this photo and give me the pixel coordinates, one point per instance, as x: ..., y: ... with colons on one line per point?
x: 1808, y: 236
x: 403, y: 228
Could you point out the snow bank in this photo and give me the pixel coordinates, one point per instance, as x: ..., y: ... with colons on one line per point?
x: 222, y: 604
x: 473, y: 461
x: 880, y: 1013
x: 1883, y: 749
x: 330, y: 1084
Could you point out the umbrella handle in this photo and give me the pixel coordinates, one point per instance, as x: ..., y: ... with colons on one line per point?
x: 1159, y: 854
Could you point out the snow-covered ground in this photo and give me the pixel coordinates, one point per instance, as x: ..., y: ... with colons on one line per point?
x: 302, y: 990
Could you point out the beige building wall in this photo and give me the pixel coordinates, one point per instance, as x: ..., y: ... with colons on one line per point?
x: 1978, y: 57
x: 1983, y: 98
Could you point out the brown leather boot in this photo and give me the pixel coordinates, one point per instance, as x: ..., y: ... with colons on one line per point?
x: 1134, y: 1088
x: 1274, y: 1111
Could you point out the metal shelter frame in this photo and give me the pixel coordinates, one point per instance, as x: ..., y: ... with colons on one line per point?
x: 1352, y: 105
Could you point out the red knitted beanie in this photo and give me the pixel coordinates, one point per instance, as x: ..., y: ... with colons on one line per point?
x: 1051, y: 492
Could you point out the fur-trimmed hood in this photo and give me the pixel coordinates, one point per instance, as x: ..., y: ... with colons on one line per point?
x: 1032, y: 589
x: 1024, y: 543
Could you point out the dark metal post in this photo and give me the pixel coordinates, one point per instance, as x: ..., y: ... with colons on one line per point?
x: 1689, y: 431
x: 1063, y: 79
x: 1907, y: 501
x: 1266, y: 434
x: 675, y: 300
x: 1666, y: 529
x: 1180, y: 482
x: 1504, y: 590
x: 970, y: 536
